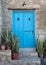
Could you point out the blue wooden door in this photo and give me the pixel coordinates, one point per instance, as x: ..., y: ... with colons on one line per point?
x: 17, y: 26
x: 23, y: 25
x: 29, y: 29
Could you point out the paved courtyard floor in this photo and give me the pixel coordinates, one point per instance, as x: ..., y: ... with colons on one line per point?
x: 43, y: 61
x: 22, y: 62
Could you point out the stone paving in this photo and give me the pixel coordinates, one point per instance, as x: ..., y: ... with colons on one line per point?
x: 43, y: 61
x: 17, y: 62
x: 21, y: 61
x: 5, y: 59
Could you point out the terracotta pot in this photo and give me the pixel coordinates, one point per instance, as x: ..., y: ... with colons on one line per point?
x: 3, y: 47
x: 8, y: 45
x: 15, y: 56
x: 8, y: 48
x: 40, y: 55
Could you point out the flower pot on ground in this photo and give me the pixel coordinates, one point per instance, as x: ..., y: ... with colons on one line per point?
x: 40, y: 55
x: 2, y: 47
x: 15, y: 56
x: 15, y: 47
x: 40, y: 48
x: 8, y: 46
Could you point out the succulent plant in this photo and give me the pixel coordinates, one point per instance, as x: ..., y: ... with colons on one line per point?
x: 8, y: 38
x: 15, y: 44
x: 44, y: 43
x: 44, y: 46
x: 39, y: 46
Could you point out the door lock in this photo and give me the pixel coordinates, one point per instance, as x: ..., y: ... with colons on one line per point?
x: 32, y: 32
x: 28, y: 18
x: 17, y: 18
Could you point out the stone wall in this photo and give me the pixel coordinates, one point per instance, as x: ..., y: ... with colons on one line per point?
x: 40, y: 16
x: 6, y: 15
x: 0, y: 16
x: 0, y: 20
x: 5, y: 55
x: 41, y: 19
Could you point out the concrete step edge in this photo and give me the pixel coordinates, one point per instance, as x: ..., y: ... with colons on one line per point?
x: 27, y: 49
x: 28, y: 55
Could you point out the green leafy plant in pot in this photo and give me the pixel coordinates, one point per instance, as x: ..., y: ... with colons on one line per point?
x: 15, y: 47
x: 3, y: 39
x: 44, y: 46
x: 6, y: 38
x: 39, y: 48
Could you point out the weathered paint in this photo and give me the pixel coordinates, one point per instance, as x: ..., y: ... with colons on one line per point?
x: 23, y: 25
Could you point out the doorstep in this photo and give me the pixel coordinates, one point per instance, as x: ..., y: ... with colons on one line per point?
x: 27, y: 52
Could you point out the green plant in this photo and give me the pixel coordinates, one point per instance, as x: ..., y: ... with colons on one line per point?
x: 39, y: 46
x: 44, y: 46
x: 6, y: 36
x: 3, y: 38
x: 44, y: 43
x: 13, y: 40
x: 15, y: 44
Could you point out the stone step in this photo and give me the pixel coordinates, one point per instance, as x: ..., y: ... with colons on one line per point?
x: 33, y: 59
x: 27, y: 49
x: 27, y: 61
x: 30, y: 54
x: 27, y: 52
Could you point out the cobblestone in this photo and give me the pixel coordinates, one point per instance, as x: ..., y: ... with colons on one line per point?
x: 43, y: 61
x: 18, y: 62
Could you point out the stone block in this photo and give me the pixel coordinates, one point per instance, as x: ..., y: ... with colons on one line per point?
x: 5, y: 55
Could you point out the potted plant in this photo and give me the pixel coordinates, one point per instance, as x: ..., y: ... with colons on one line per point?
x: 15, y: 47
x: 39, y: 48
x: 0, y: 46
x: 6, y: 38
x: 3, y: 41
x: 3, y: 46
x: 44, y: 46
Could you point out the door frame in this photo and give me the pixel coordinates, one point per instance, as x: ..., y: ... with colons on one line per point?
x: 34, y: 19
